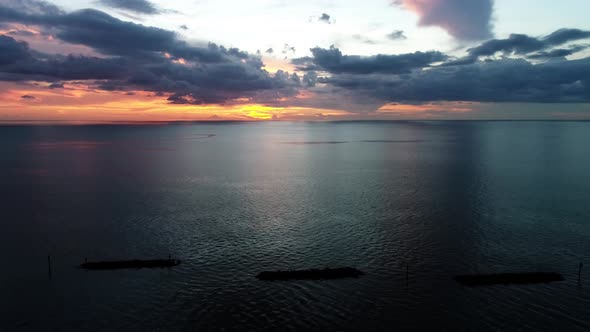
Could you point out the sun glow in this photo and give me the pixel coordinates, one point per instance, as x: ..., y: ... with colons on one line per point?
x: 81, y: 103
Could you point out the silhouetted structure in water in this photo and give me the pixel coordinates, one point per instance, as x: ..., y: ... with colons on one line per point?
x: 311, y: 274
x: 130, y: 264
x: 508, y: 278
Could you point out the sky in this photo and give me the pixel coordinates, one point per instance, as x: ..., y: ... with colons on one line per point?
x: 152, y: 60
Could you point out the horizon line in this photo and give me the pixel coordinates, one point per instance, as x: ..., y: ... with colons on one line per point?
x: 164, y: 122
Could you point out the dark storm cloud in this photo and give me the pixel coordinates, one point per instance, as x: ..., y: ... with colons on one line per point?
x: 137, y: 57
x: 112, y: 36
x: 563, y: 36
x: 462, y: 19
x: 32, y: 6
x: 211, y: 84
x: 35, y: 66
x: 206, y: 83
x: 12, y: 50
x: 558, y: 52
x: 416, y: 78
x: 137, y: 6
x: 397, y: 35
x: 515, y: 44
x: 523, y: 44
x: 507, y: 80
x: 332, y: 60
x: 527, y: 46
x: 310, y: 79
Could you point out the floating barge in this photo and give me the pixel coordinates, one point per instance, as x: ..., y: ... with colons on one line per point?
x: 130, y: 264
x: 311, y: 274
x: 508, y: 278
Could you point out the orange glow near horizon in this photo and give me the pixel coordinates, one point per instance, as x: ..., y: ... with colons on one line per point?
x: 428, y: 110
x: 34, y: 101
x: 79, y: 103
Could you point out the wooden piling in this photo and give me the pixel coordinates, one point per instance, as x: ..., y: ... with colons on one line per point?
x: 580, y: 272
x: 49, y: 266
x: 407, y: 273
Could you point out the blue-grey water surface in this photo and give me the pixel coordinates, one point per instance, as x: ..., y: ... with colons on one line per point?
x: 233, y: 199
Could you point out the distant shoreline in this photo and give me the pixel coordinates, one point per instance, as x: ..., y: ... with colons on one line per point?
x: 181, y: 122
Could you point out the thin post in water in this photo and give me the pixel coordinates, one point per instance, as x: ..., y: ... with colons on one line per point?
x: 580, y: 272
x: 407, y: 273
x: 49, y: 266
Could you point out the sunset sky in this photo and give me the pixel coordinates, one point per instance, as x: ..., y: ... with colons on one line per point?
x: 141, y: 60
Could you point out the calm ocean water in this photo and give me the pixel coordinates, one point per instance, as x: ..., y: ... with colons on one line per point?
x: 233, y: 199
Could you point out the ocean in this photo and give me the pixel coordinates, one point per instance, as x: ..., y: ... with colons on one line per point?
x: 411, y: 204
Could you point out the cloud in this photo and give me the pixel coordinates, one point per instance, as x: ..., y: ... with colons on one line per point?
x: 332, y: 60
x: 523, y: 44
x: 288, y: 49
x: 462, y: 19
x: 56, y: 85
x: 325, y: 18
x: 135, y: 56
x: 506, y: 80
x: 200, y: 83
x: 515, y: 44
x: 28, y: 97
x: 417, y: 78
x: 131, y: 57
x: 363, y: 39
x: 51, y: 68
x: 136, y: 6
x: 34, y: 7
x: 397, y: 35
x: 563, y: 36
x: 97, y: 29
x: 558, y: 52
x: 526, y: 46
x: 310, y: 79
x: 12, y: 50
